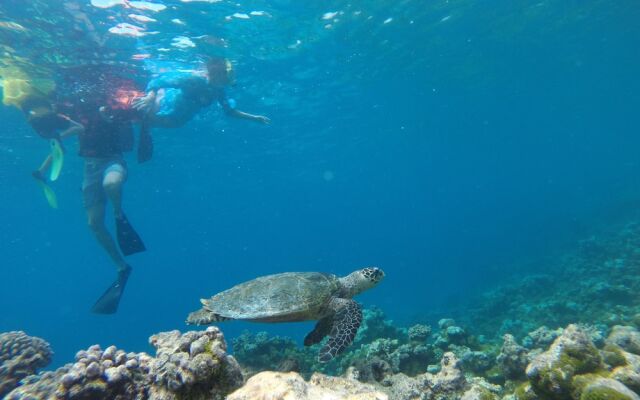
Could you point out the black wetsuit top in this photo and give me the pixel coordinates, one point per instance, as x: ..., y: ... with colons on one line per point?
x: 103, y: 138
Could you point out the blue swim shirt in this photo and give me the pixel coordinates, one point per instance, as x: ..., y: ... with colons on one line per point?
x: 185, y: 94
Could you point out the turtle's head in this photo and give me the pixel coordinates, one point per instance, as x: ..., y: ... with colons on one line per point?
x: 361, y: 280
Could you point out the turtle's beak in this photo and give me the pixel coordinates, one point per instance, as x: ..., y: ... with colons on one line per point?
x: 378, y: 274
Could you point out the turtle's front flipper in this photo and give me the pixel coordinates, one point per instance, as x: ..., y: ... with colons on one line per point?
x: 346, y: 321
x: 322, y: 329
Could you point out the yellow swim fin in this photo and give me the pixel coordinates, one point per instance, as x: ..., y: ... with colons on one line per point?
x: 57, y: 159
x: 48, y: 193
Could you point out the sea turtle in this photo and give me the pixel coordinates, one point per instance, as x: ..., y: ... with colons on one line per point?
x: 297, y: 296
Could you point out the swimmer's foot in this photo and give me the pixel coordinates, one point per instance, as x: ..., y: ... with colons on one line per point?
x: 49, y: 194
x: 128, y: 239
x: 110, y: 300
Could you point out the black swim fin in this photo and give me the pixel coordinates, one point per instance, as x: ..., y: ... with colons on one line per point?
x: 110, y: 299
x: 128, y: 239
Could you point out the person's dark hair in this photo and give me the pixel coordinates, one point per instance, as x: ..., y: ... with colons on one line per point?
x: 220, y: 70
x: 42, y: 117
x: 36, y: 103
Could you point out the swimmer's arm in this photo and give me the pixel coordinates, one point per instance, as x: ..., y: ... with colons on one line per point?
x: 251, y: 117
x: 75, y: 128
x: 234, y: 112
x: 145, y: 104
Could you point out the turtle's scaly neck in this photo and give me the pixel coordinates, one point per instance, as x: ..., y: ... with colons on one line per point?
x: 351, y: 285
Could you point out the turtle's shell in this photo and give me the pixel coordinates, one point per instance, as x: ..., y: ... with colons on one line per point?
x: 290, y: 296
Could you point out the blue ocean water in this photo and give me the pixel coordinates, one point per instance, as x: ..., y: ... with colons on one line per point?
x: 441, y: 141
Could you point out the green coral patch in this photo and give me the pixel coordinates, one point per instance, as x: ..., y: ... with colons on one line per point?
x: 553, y: 382
x: 613, y: 356
x: 485, y: 394
x: 581, y: 362
x: 525, y: 392
x: 581, y: 382
x: 603, y: 393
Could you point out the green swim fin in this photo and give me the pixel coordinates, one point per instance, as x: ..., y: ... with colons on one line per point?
x: 57, y: 159
x: 110, y: 300
x: 49, y: 194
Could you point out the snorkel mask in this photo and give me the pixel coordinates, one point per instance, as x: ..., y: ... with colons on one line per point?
x: 231, y: 73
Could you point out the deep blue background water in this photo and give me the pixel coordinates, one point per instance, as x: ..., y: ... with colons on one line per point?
x: 444, y: 152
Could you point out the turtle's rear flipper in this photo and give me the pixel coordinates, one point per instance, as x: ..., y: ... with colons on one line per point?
x: 110, y: 299
x: 346, y: 322
x: 322, y: 329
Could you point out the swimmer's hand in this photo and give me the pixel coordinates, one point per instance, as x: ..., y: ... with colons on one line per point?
x: 262, y: 119
x: 144, y: 104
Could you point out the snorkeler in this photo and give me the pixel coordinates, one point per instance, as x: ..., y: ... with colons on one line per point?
x: 102, y: 143
x: 173, y: 98
x: 41, y: 114
x: 97, y: 98
x: 103, y: 135
x: 54, y: 127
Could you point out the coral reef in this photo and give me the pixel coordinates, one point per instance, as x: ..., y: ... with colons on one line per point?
x: 192, y: 365
x: 513, y: 358
x: 474, y: 360
x: 20, y: 356
x: 449, y: 383
x: 477, y: 356
x: 376, y: 325
x: 578, y: 364
x: 604, y: 388
x: 551, y: 373
x: 626, y: 337
x: 379, y: 348
x: 408, y: 358
x: 625, y: 369
x: 290, y: 386
x: 97, y: 373
x: 411, y: 351
x: 419, y: 333
x: 261, y: 352
x: 596, y: 282
x: 541, y: 337
x: 450, y: 378
x: 573, y: 367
